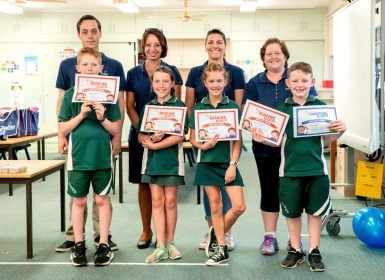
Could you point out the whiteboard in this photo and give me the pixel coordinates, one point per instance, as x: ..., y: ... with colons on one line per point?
x: 354, y: 75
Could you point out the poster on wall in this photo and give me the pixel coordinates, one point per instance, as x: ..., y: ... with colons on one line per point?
x: 31, y: 65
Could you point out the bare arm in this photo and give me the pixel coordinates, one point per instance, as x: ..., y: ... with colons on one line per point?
x: 130, y: 108
x: 190, y: 100
x: 149, y: 142
x: 62, y: 140
x: 207, y: 145
x: 117, y: 139
x: 238, y: 96
x: 178, y: 91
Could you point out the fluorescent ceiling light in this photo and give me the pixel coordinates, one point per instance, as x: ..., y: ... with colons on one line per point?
x: 126, y: 6
x: 248, y: 6
x: 9, y: 8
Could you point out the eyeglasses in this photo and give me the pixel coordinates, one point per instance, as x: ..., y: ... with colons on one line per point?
x: 153, y: 30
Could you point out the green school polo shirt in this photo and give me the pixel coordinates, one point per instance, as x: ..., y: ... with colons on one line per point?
x: 89, y: 143
x: 301, y: 156
x: 221, y: 151
x: 168, y: 161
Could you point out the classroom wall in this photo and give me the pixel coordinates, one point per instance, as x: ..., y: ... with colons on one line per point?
x: 41, y: 36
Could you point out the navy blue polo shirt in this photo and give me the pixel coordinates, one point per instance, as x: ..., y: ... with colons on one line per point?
x: 139, y: 83
x: 67, y: 70
x: 236, y: 80
x: 260, y: 89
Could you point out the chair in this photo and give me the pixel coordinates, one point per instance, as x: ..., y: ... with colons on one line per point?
x: 3, y: 152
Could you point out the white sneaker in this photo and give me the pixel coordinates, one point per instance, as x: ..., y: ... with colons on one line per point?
x: 203, y: 244
x: 229, y: 241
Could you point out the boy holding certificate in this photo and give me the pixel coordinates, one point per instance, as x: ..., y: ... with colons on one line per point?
x: 90, y: 126
x: 217, y: 165
x: 304, y: 182
x: 163, y: 167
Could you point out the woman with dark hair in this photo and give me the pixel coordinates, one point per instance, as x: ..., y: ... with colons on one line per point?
x: 215, y: 46
x: 139, y: 92
x: 269, y: 88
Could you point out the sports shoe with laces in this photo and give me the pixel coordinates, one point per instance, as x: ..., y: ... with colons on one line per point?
x: 219, y: 257
x: 66, y: 246
x: 160, y: 253
x: 229, y: 241
x: 314, y: 260
x: 269, y: 245
x: 293, y: 258
x: 78, y: 255
x: 173, y: 252
x: 289, y: 246
x: 112, y: 244
x: 202, y: 245
x: 212, y: 243
x: 103, y: 255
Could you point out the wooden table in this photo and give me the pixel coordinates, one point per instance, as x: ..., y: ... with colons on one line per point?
x: 44, y: 133
x: 36, y: 169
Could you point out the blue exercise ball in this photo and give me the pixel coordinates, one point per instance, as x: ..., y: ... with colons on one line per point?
x: 369, y: 226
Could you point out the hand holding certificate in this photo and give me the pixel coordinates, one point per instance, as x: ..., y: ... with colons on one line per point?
x: 222, y: 122
x: 267, y: 121
x: 164, y: 118
x: 103, y: 89
x: 313, y: 120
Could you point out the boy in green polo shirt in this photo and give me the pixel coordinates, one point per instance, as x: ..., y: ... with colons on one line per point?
x: 304, y: 182
x: 90, y: 126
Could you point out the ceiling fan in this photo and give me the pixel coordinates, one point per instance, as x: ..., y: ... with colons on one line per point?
x: 186, y: 16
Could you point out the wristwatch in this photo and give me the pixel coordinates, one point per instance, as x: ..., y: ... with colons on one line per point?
x: 233, y: 162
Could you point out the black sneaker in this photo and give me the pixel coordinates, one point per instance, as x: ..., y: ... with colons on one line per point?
x: 212, y: 243
x: 103, y: 255
x: 293, y: 258
x: 112, y: 244
x: 66, y: 246
x: 219, y: 257
x: 315, y: 261
x: 78, y: 255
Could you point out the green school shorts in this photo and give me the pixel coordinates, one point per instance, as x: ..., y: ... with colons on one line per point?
x: 304, y: 193
x: 213, y: 174
x: 79, y: 182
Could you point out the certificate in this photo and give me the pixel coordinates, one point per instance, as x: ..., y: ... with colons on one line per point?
x: 270, y: 122
x: 168, y: 119
x: 222, y: 122
x: 103, y: 89
x: 313, y: 120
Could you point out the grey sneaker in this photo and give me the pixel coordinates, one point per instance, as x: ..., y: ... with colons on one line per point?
x: 293, y: 258
x: 269, y: 245
x: 78, y: 255
x: 202, y: 245
x: 315, y: 261
x: 103, y: 255
x: 219, y: 257
x: 66, y: 246
x: 229, y: 241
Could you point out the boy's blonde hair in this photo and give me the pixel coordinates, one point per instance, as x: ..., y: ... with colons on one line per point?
x: 301, y: 66
x: 214, y: 67
x: 91, y: 52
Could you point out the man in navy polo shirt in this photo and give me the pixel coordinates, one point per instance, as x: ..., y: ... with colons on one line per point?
x: 89, y: 32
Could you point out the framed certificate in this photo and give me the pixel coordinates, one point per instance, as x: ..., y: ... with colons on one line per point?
x: 168, y: 119
x: 103, y: 89
x: 313, y: 120
x: 222, y: 122
x: 270, y: 122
